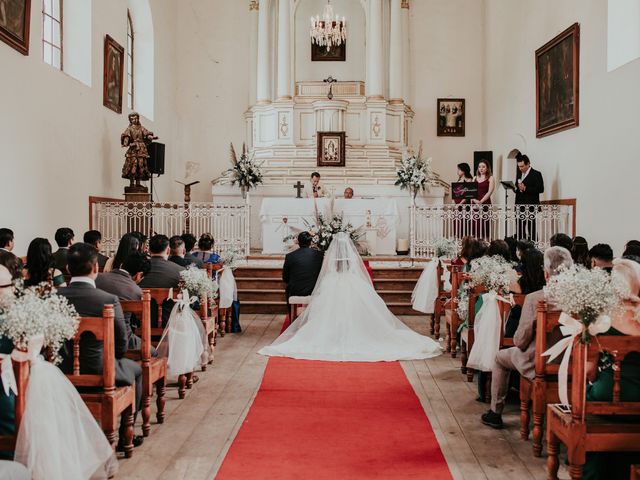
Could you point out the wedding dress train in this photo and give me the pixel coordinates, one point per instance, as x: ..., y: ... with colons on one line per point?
x: 347, y: 320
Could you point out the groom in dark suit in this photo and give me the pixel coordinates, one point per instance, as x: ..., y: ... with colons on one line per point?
x: 529, y: 186
x: 302, y: 267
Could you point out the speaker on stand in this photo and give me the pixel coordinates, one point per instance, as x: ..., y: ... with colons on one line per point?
x: 155, y: 162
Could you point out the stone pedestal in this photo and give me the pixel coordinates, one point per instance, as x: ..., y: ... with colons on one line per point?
x: 136, y: 222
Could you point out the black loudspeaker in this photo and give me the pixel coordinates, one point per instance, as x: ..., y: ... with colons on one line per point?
x: 477, y: 156
x: 156, y: 158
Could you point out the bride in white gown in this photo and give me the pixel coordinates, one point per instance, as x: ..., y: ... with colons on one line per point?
x: 347, y: 320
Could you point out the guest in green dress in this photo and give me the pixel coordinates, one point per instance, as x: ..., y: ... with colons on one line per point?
x: 40, y: 265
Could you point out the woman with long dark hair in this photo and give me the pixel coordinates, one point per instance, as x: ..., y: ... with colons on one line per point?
x: 580, y: 252
x: 40, y: 266
x: 461, y: 224
x: 486, y: 187
x: 531, y: 280
x: 129, y: 243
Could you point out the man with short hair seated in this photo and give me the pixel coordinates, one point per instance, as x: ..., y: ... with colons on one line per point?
x: 521, y: 357
x: 601, y: 256
x: 176, y: 245
x: 94, y: 238
x: 301, y: 268
x: 64, y: 238
x: 82, y: 262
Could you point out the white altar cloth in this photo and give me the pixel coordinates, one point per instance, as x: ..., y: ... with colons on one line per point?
x: 281, y: 217
x: 374, y: 215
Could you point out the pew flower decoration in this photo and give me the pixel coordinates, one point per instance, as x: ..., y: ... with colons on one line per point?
x: 446, y: 248
x: 494, y: 273
x: 463, y: 305
x: 37, y: 311
x: 588, y: 296
x: 198, y: 283
x: 231, y: 259
x: 415, y: 173
x: 244, y: 171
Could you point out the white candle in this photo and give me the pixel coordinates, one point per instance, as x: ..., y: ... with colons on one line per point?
x: 403, y: 245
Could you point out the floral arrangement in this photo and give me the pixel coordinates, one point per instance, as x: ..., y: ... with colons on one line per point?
x: 414, y: 173
x: 38, y: 311
x: 446, y: 248
x: 245, y: 171
x: 198, y: 283
x: 491, y: 272
x: 463, y: 305
x: 231, y: 258
x: 587, y: 295
x: 323, y: 233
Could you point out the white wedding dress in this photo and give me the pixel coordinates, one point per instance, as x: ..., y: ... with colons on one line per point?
x: 347, y: 320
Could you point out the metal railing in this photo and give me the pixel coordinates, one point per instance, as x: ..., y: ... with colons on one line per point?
x: 532, y: 222
x: 229, y: 224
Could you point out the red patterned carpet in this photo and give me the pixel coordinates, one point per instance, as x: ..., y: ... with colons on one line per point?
x: 332, y: 420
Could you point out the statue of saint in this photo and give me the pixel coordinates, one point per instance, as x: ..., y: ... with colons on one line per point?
x: 136, y: 138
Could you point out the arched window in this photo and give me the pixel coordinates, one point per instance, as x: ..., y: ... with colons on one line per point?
x: 142, y: 66
x: 130, y: 45
x: 623, y: 33
x: 52, y: 32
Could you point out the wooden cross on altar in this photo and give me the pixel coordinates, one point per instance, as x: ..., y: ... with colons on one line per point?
x: 330, y: 80
x: 298, y: 186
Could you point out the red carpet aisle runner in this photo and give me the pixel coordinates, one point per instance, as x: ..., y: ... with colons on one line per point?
x: 331, y: 420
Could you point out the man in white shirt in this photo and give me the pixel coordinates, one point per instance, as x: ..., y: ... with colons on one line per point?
x: 313, y: 188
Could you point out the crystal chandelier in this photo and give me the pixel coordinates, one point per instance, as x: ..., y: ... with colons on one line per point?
x: 330, y: 31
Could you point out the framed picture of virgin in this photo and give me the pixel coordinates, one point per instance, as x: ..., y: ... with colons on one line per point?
x: 113, y: 74
x: 15, y: 16
x: 557, y: 83
x: 331, y: 149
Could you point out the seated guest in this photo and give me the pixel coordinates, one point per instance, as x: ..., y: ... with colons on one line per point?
x: 129, y: 244
x: 532, y: 279
x: 143, y: 245
x: 205, y: 251
x: 190, y: 242
x: 632, y: 248
x: 499, y: 248
x: 7, y: 241
x: 301, y: 268
x: 11, y: 263
x: 176, y: 246
x: 40, y: 265
x: 123, y: 282
x: 89, y: 301
x: 7, y: 402
x: 580, y: 252
x: 471, y: 249
x: 521, y: 357
x: 163, y: 274
x: 348, y: 193
x: 94, y: 237
x: 64, y: 238
x: 601, y: 256
x: 561, y: 240
x: 522, y: 246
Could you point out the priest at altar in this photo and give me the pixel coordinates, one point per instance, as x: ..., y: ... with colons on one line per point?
x: 286, y: 217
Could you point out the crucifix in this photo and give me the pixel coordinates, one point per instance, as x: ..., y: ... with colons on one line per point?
x: 330, y: 80
x: 298, y: 186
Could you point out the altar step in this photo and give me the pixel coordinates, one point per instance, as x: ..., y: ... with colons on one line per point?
x: 261, y: 289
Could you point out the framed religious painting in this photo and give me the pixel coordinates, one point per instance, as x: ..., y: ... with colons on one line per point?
x: 451, y: 113
x: 335, y: 54
x: 557, y: 83
x: 15, y: 16
x: 331, y: 149
x: 113, y: 74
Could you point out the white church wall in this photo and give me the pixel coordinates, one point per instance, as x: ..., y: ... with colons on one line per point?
x: 596, y: 162
x: 59, y: 144
x: 447, y: 59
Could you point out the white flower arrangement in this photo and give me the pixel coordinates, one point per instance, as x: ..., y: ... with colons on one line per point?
x: 323, y: 233
x: 197, y: 282
x: 38, y: 311
x: 584, y: 294
x: 446, y: 248
x: 244, y: 171
x: 415, y: 173
x: 491, y: 272
x: 463, y: 305
x: 231, y: 259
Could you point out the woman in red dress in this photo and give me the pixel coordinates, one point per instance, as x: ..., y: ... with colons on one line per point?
x: 486, y: 186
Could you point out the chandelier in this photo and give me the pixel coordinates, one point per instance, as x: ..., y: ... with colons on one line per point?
x: 330, y: 31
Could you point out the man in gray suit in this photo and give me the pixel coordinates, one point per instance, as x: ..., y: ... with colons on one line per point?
x: 163, y: 274
x: 123, y: 282
x: 82, y: 261
x: 522, y: 356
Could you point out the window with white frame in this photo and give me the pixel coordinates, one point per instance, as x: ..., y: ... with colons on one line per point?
x: 52, y: 32
x: 130, y: 52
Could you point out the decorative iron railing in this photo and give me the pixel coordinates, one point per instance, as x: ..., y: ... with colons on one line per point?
x: 533, y: 222
x: 229, y: 224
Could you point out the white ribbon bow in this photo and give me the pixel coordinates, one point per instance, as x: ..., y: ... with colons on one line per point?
x: 446, y: 277
x: 571, y: 328
x: 185, y: 301
x: 7, y: 374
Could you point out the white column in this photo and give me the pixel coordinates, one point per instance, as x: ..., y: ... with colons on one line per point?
x: 374, y: 51
x: 395, y: 53
x: 264, y: 64
x: 253, y: 51
x: 406, y: 54
x: 284, y: 50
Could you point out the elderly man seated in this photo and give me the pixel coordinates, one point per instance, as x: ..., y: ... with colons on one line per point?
x: 521, y: 357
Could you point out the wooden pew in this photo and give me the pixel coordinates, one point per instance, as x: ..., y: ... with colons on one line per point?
x: 635, y: 472
x: 106, y: 402
x: 21, y: 372
x: 442, y: 299
x: 223, y: 314
x: 154, y: 369
x: 543, y: 389
x: 452, y: 320
x: 208, y: 314
x: 591, y: 426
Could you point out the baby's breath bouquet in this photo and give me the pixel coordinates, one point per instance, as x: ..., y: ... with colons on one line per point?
x: 446, y: 248
x: 38, y: 311
x: 586, y: 295
x: 491, y: 272
x: 198, y: 283
x: 463, y: 305
x: 231, y: 259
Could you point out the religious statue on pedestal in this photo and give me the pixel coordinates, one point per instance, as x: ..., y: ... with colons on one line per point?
x: 136, y: 138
